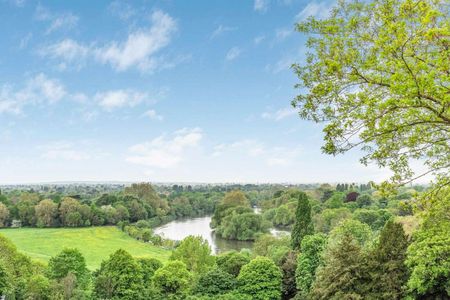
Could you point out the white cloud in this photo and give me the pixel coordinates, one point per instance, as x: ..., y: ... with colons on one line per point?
x: 279, y: 114
x: 165, y: 151
x: 221, y: 29
x: 261, y: 5
x: 318, y: 10
x: 122, y: 10
x: 139, y: 50
x: 57, y: 20
x: 38, y: 89
x: 233, y: 53
x: 152, y: 114
x: 141, y: 46
x: 120, y: 98
x: 62, y: 150
x: 67, y: 49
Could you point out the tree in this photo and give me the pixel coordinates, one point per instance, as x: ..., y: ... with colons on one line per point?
x: 232, y: 262
x: 173, y: 280
x: 288, y: 266
x: 69, y: 261
x: 147, y: 194
x: 303, y: 225
x: 148, y: 267
x: 231, y: 199
x: 241, y: 226
x: 215, y: 282
x: 364, y: 200
x: 4, y: 215
x: 427, y: 256
x: 309, y: 259
x: 70, y: 211
x: 195, y: 252
x: 387, y: 263
x: 377, y: 74
x: 119, y: 277
x: 261, y: 279
x: 341, y: 276
x: 46, y: 213
x: 360, y: 232
x: 38, y: 288
x: 5, y: 280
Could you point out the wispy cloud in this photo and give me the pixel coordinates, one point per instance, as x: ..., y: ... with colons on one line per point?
x: 261, y: 5
x: 165, y: 151
x: 320, y: 10
x: 233, y: 53
x: 280, y: 114
x: 283, y: 33
x: 221, y: 29
x: 122, y: 10
x: 139, y: 50
x: 66, y: 20
x: 152, y: 114
x: 120, y: 98
x: 38, y: 89
x: 257, y: 40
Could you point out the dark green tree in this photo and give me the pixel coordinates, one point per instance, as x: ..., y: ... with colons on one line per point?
x: 387, y: 263
x: 343, y: 272
x: 232, y: 262
x: 303, y: 225
x: 215, y: 282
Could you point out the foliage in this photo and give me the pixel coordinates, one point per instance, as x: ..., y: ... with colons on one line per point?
x: 375, y: 218
x: 230, y: 200
x: 4, y: 215
x: 68, y: 261
x: 195, y: 252
x: 288, y: 265
x: 215, y: 282
x: 261, y: 279
x: 148, y: 267
x: 342, y: 274
x: 309, y: 259
x: 303, y: 224
x: 119, y: 277
x: 377, y: 74
x: 241, y: 226
x: 387, y: 264
x: 430, y: 249
x: 173, y: 280
x: 360, y: 232
x: 232, y: 262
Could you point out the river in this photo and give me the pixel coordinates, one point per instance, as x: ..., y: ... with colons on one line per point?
x: 179, y: 229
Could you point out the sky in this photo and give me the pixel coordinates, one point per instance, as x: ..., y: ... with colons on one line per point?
x: 159, y: 91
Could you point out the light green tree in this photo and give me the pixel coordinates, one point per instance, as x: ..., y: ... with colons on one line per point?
x: 195, y: 252
x: 377, y: 73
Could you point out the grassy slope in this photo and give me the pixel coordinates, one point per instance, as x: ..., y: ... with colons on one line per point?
x: 96, y: 243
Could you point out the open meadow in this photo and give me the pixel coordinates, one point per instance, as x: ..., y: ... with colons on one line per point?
x: 95, y: 243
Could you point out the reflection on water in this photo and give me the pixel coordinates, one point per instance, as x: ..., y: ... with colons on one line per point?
x: 179, y: 229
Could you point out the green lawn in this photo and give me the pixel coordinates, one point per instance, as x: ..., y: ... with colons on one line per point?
x: 96, y: 243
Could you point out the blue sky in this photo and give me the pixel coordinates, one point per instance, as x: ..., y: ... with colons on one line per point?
x: 192, y: 91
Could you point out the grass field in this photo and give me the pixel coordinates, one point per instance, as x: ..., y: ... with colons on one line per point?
x: 96, y: 243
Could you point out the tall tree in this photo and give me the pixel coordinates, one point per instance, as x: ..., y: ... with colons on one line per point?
x: 387, y: 263
x: 341, y: 276
x: 173, y: 280
x: 69, y: 261
x: 4, y: 215
x: 309, y: 259
x: 377, y: 74
x: 303, y: 223
x: 46, y: 213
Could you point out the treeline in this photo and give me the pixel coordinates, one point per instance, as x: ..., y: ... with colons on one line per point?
x: 133, y: 203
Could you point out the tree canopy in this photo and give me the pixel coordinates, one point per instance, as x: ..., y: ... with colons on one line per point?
x: 377, y: 73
